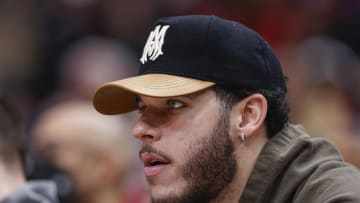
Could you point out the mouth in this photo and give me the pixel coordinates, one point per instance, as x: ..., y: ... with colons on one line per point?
x: 153, y: 164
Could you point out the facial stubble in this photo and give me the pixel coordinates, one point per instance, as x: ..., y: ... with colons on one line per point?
x: 210, y: 169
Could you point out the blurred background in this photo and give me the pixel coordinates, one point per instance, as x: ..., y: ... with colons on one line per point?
x: 57, y: 51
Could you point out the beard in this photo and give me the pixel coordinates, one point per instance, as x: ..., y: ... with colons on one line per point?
x: 209, y: 170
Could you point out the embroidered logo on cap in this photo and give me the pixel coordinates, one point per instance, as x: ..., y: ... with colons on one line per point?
x: 154, y: 43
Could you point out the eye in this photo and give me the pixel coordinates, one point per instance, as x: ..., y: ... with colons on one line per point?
x: 175, y: 104
x: 141, y: 110
x: 141, y: 107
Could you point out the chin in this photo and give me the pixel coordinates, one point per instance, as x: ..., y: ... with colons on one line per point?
x: 166, y: 193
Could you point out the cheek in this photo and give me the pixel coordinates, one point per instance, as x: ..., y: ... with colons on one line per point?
x: 74, y: 163
x: 85, y: 174
x: 185, y: 138
x: 65, y: 159
x: 198, y: 122
x: 182, y: 135
x: 189, y: 131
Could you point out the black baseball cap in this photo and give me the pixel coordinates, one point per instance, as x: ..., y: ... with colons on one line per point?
x: 186, y: 54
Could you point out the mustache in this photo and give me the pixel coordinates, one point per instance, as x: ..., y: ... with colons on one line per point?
x: 150, y: 149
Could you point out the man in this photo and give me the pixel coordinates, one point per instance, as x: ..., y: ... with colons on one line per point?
x: 13, y: 186
x: 214, y: 122
x: 91, y: 150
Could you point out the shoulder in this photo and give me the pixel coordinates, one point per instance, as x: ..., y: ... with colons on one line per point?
x: 318, y: 169
x: 34, y: 191
x: 332, y: 182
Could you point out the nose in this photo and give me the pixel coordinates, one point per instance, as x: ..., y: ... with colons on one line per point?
x: 145, y: 131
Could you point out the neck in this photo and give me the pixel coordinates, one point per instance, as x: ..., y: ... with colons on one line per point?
x: 231, y: 194
x: 11, y: 177
x: 246, y: 155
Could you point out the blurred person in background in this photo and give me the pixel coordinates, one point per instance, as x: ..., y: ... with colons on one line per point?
x: 127, y: 20
x: 13, y: 185
x: 325, y: 113
x: 83, y: 66
x: 19, y: 51
x: 89, y: 62
x: 324, y: 70
x: 93, y: 151
x: 278, y: 21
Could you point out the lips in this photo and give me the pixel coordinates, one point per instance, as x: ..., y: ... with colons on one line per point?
x: 153, y: 163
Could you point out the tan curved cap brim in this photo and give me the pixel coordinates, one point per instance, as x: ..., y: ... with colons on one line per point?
x: 120, y: 96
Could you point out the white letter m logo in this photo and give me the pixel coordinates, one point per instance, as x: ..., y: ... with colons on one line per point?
x: 154, y: 44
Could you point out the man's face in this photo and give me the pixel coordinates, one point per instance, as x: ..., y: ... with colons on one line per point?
x: 187, y: 153
x: 74, y: 158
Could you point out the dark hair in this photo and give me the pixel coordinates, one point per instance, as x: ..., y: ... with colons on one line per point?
x: 278, y: 108
x: 12, y: 143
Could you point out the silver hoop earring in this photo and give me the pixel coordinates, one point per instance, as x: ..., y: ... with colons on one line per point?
x: 242, y: 137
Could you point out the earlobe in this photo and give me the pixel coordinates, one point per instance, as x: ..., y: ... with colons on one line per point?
x: 251, y: 113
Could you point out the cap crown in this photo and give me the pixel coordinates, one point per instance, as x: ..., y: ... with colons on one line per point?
x: 212, y: 49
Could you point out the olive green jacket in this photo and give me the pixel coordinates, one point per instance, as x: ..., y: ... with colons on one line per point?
x: 294, y: 167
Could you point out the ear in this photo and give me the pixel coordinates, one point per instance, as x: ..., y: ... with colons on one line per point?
x: 248, y: 115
